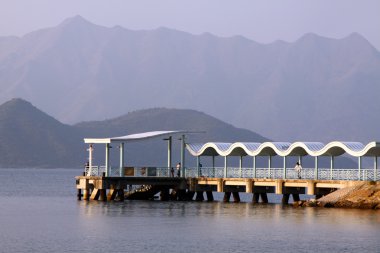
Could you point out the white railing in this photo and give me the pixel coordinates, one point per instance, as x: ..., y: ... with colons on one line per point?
x: 236, y: 172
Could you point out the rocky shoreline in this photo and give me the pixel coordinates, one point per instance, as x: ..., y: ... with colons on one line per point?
x: 364, y: 195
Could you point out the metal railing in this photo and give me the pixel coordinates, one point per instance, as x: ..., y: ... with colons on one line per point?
x: 364, y: 174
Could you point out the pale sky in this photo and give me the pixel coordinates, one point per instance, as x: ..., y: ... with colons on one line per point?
x: 262, y: 21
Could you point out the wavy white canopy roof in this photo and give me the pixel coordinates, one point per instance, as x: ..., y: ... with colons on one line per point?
x: 335, y: 148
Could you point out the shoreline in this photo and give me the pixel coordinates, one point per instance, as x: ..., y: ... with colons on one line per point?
x: 364, y: 195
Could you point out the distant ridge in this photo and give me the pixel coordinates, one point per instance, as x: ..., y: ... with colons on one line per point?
x: 312, y: 88
x: 31, y: 138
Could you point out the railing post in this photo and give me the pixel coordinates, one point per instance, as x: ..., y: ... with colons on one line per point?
x: 284, y: 175
x: 316, y: 168
x: 359, y: 167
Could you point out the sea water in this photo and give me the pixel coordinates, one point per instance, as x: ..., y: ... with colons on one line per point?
x: 39, y: 212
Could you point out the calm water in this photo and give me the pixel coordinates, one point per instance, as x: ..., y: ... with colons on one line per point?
x: 39, y: 213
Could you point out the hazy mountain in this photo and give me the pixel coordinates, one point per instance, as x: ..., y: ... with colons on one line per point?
x: 315, y: 88
x: 31, y: 138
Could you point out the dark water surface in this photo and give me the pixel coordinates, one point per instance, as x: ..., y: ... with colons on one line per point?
x: 39, y: 213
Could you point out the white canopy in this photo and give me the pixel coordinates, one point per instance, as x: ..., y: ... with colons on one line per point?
x: 137, y: 137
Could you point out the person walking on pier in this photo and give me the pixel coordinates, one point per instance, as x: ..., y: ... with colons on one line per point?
x: 178, y: 169
x: 298, y: 169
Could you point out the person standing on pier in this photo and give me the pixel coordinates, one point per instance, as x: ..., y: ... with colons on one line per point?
x: 298, y: 169
x: 178, y: 169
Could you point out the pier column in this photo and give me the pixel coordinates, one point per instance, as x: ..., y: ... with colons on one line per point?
x: 269, y: 165
x: 331, y: 167
x: 198, y: 169
x: 225, y: 167
x: 227, y: 196
x: 236, y: 197
x: 199, y: 196
x: 121, y: 147
x: 360, y: 168
x: 296, y: 197
x: 241, y: 167
x: 255, y: 198
x: 248, y: 185
x: 169, y: 139
x: 209, y: 195
x: 183, y: 156
x: 107, y: 160
x: 285, y: 199
x: 316, y: 168
x: 213, y: 166
x: 264, y: 197
x: 375, y: 169
x: 220, y: 185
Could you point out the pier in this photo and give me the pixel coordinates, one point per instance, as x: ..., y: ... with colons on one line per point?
x: 108, y: 183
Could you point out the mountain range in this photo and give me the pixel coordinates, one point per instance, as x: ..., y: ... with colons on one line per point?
x: 313, y: 89
x: 31, y: 138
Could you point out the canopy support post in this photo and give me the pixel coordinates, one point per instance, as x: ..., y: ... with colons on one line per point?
x: 213, y: 166
x: 198, y: 168
x: 183, y: 156
x: 121, y: 147
x: 107, y: 159
x: 331, y: 167
x: 316, y: 168
x: 375, y: 169
x: 269, y: 165
x: 254, y: 167
x: 360, y: 168
x: 241, y: 166
x: 284, y: 172
x: 225, y: 167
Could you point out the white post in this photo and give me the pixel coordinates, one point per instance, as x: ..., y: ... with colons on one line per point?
x: 331, y: 167
x: 269, y: 165
x: 359, y: 168
x: 90, y: 150
x: 198, y: 171
x: 316, y: 168
x: 241, y: 166
x: 121, y: 147
x: 169, y: 153
x: 375, y: 169
x: 225, y: 167
x: 183, y: 156
x: 213, y: 166
x: 254, y: 167
x: 284, y: 172
x: 107, y: 159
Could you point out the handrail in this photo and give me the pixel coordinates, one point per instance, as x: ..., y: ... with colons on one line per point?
x: 363, y: 174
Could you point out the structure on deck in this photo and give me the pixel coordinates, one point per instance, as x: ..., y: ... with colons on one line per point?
x: 107, y: 182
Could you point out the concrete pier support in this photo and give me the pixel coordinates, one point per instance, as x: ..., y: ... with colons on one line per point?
x: 285, y: 199
x: 227, y: 196
x: 190, y: 195
x: 264, y: 197
x: 79, y: 194
x: 164, y: 194
x: 112, y: 193
x: 199, y: 196
x: 296, y: 197
x: 255, y: 198
x: 102, y: 194
x: 210, y: 196
x: 236, y: 197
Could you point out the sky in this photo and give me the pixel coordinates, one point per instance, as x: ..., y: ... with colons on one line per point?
x: 263, y: 21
